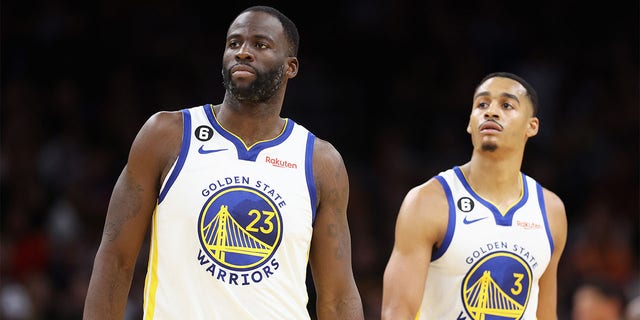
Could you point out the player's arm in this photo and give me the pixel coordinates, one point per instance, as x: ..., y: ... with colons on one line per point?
x: 557, y: 218
x: 420, y: 225
x: 330, y: 256
x: 130, y: 209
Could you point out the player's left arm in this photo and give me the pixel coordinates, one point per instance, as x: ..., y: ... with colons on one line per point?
x: 557, y: 218
x: 330, y: 256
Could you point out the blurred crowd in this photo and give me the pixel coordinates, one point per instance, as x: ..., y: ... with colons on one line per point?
x: 389, y: 83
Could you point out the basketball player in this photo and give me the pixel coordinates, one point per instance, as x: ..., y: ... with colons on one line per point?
x: 238, y: 199
x: 481, y: 240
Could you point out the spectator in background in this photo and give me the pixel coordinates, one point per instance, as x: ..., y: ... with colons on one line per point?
x: 597, y: 299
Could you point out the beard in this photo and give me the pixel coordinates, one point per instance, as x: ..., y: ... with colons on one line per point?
x: 261, y: 89
x: 489, y: 146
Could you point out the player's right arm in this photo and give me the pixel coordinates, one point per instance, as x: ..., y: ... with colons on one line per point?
x: 420, y: 227
x: 130, y: 209
x: 548, y: 295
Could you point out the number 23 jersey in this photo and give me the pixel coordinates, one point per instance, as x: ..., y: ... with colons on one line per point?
x: 232, y: 229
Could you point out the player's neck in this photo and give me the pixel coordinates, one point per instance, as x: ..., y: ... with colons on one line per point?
x: 497, y: 179
x: 251, y: 123
x: 501, y: 168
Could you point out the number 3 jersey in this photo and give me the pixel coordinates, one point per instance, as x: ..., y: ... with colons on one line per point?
x: 489, y: 263
x: 232, y: 228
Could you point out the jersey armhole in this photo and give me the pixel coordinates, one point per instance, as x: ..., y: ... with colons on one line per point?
x: 308, y: 169
x: 451, y: 224
x: 182, y: 156
x: 543, y: 211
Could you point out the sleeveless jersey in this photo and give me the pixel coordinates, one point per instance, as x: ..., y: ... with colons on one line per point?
x: 489, y: 264
x: 232, y: 228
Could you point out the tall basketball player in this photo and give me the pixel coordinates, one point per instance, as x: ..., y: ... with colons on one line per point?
x: 238, y: 199
x: 481, y: 240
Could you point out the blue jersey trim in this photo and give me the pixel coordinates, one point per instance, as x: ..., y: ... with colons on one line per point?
x: 182, y: 157
x: 451, y: 225
x: 247, y: 153
x: 308, y: 168
x: 507, y: 219
x: 208, y: 110
x: 543, y: 209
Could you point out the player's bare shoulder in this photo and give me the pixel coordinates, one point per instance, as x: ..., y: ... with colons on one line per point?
x: 162, y: 131
x: 158, y: 141
x: 553, y: 202
x: 329, y: 172
x: 165, y: 124
x: 426, y: 208
x: 430, y: 188
x: 325, y: 154
x: 429, y: 195
x: 556, y: 215
x: 327, y: 161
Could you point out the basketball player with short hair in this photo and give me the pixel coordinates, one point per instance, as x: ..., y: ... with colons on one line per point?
x: 238, y: 199
x: 481, y: 240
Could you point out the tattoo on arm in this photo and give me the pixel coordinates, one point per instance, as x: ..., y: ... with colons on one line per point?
x: 131, y: 201
x: 337, y: 229
x: 332, y: 196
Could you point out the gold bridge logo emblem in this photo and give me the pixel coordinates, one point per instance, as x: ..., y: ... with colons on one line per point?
x: 497, y: 287
x: 240, y: 228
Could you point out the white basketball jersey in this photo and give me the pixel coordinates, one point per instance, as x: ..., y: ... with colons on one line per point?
x: 489, y: 263
x: 232, y: 229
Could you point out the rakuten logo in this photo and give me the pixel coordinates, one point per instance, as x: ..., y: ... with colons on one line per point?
x: 528, y: 225
x: 280, y: 163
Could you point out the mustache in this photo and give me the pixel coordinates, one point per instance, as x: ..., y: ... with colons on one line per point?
x: 242, y: 64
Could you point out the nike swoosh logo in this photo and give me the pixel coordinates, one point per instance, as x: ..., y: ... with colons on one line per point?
x: 203, y: 151
x: 472, y: 221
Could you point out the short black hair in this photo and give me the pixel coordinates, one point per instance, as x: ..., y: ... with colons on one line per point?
x: 531, y: 92
x: 290, y: 29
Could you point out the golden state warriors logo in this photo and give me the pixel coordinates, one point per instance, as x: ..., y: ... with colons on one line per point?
x: 497, y: 287
x: 240, y: 228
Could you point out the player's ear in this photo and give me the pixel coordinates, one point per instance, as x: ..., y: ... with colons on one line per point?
x: 534, y: 125
x: 292, y: 67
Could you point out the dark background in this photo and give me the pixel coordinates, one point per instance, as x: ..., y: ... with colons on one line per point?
x: 389, y: 83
